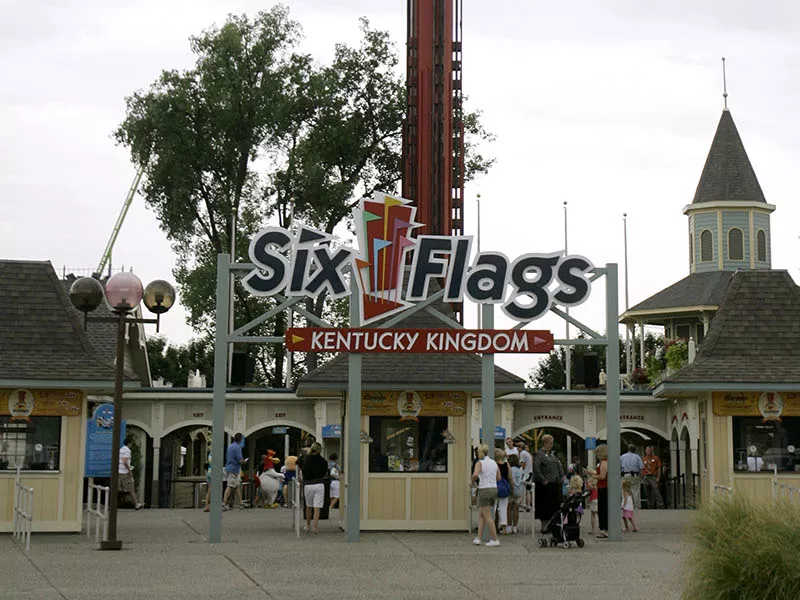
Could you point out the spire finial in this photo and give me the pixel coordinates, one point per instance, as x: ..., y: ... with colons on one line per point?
x: 724, y: 85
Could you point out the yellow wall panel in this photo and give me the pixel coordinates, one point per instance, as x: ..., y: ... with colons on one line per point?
x: 722, y: 459
x: 429, y: 499
x: 73, y: 478
x: 459, y: 466
x: 387, y: 499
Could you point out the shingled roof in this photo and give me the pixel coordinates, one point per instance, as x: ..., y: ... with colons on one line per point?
x: 753, y: 337
x: 697, y: 289
x: 398, y: 371
x: 728, y: 174
x: 41, y: 336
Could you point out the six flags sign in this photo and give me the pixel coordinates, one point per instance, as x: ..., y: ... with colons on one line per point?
x: 305, y: 264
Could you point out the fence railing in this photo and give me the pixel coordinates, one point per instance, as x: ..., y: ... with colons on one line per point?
x: 23, y: 512
x: 783, y: 492
x: 722, y: 491
x: 526, y: 509
x: 97, y: 507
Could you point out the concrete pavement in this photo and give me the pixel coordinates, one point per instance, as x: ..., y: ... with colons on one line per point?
x: 166, y: 555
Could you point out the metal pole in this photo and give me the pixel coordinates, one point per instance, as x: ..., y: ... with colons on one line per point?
x: 478, y: 202
x: 612, y: 403
x: 221, y: 333
x: 112, y: 543
x: 628, y: 361
x: 487, y: 385
x: 353, y: 433
x: 568, y: 362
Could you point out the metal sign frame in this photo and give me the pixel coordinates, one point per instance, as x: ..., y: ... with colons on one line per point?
x: 224, y: 337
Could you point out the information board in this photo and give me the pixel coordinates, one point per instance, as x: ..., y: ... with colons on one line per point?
x: 99, y: 437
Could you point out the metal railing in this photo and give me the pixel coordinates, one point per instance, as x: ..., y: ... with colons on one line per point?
x: 97, y: 508
x: 783, y: 492
x: 292, y: 490
x: 681, y: 494
x: 722, y: 491
x: 527, y: 511
x: 23, y: 512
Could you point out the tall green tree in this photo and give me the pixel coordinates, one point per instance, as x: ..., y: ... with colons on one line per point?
x: 257, y: 130
x: 173, y: 363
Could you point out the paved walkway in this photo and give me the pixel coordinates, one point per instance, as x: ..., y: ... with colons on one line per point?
x: 166, y: 556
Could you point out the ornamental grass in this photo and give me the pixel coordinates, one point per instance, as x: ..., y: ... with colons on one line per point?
x: 744, y: 551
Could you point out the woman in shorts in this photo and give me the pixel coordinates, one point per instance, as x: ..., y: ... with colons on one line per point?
x: 486, y: 476
x: 334, y: 471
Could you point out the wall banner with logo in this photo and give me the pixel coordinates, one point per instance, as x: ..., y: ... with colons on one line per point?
x: 768, y: 405
x: 24, y: 403
x: 411, y: 404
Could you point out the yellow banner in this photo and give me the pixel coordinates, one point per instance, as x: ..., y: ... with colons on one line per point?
x: 769, y: 405
x: 24, y: 403
x: 410, y: 404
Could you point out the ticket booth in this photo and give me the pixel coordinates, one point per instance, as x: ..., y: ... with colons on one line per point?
x: 415, y: 460
x: 42, y: 432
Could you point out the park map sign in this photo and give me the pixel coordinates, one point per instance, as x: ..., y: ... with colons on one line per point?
x: 307, y: 263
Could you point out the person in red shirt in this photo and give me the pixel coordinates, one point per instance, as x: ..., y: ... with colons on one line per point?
x: 601, y: 474
x: 651, y: 478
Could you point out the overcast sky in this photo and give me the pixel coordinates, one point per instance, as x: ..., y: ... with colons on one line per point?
x: 610, y: 106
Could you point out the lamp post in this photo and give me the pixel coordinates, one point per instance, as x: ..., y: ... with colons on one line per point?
x: 123, y: 293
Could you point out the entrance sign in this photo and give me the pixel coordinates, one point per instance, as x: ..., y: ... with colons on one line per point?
x: 514, y: 341
x: 306, y: 263
x: 412, y: 404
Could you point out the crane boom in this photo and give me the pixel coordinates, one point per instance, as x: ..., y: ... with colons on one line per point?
x: 106, y: 259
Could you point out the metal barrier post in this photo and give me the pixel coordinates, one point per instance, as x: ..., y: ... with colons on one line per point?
x: 774, y: 484
x: 23, y: 512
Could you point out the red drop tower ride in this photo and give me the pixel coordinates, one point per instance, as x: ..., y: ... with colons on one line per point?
x: 433, y: 137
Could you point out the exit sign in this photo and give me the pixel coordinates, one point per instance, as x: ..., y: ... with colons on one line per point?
x: 280, y: 415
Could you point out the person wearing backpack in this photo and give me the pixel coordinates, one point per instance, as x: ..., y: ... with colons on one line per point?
x: 503, y: 490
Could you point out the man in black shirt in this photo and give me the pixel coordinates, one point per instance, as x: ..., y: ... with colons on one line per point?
x: 314, y: 469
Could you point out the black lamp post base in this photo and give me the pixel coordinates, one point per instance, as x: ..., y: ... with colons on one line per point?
x: 111, y: 545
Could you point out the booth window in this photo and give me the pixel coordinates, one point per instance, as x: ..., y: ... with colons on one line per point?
x: 415, y: 445
x: 760, y: 446
x: 31, y: 444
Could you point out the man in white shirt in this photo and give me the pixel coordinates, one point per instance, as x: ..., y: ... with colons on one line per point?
x: 125, y: 470
x: 511, y: 448
x: 632, y: 466
x: 525, y: 462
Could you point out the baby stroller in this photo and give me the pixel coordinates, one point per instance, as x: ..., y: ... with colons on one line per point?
x: 564, y: 527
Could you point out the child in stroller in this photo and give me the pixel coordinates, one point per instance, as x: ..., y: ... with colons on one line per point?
x: 564, y: 526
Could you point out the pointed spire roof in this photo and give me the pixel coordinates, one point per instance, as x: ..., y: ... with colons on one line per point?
x: 728, y: 174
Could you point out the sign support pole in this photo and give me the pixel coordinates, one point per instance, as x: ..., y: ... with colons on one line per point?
x: 353, y: 433
x: 220, y: 384
x: 612, y: 403
x: 487, y: 383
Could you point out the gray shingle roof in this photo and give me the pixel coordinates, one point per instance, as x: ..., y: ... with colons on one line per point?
x: 41, y: 337
x: 753, y: 337
x: 697, y: 289
x: 405, y: 369
x: 728, y: 174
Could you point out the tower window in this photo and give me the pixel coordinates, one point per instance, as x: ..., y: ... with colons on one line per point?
x: 735, y: 244
x: 691, y: 249
x: 706, y: 246
x: 762, y: 245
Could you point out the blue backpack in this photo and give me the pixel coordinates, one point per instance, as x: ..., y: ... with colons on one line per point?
x: 503, y: 489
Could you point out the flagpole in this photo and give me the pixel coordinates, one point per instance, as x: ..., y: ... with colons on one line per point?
x: 568, y: 365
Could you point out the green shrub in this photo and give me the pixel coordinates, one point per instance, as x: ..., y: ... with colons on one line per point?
x: 744, y: 551
x: 677, y: 355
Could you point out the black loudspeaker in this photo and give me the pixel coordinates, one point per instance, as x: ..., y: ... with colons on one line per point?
x: 580, y: 370
x: 591, y: 369
x: 242, y: 369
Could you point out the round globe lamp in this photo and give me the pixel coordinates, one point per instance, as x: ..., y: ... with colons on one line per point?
x: 159, y: 296
x: 123, y: 292
x: 86, y: 294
